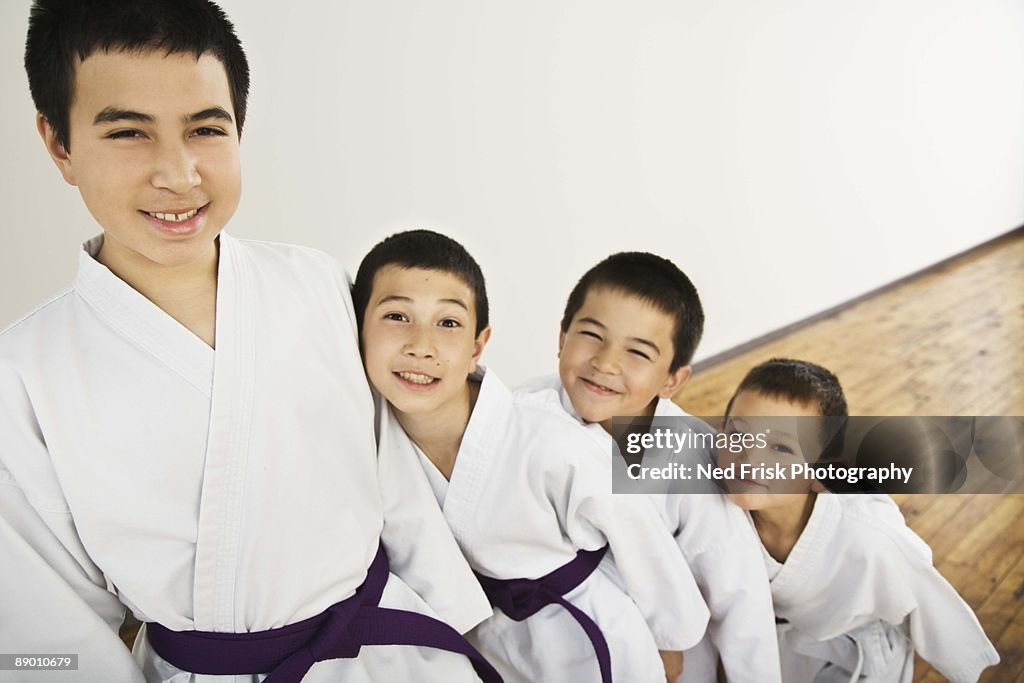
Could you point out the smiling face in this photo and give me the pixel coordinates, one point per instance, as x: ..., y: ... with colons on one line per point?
x: 418, y: 340
x: 615, y: 357
x: 778, y: 420
x: 154, y: 154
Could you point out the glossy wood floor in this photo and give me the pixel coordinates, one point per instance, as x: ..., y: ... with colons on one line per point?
x: 947, y: 342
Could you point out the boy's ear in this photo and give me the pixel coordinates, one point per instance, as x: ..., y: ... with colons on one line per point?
x: 561, y: 342
x: 57, y: 152
x: 675, y: 381
x: 478, y: 345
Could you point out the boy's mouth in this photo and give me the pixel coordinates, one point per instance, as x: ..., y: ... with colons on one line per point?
x: 177, y: 221
x: 416, y: 380
x: 599, y: 389
x: 173, y: 217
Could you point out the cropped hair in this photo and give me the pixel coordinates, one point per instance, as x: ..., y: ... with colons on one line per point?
x: 655, y: 280
x: 424, y: 249
x: 799, y: 381
x: 63, y: 32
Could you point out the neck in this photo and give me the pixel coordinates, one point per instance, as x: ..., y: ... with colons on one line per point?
x: 780, y: 527
x: 643, y: 418
x: 186, y: 292
x: 439, y: 433
x: 157, y: 281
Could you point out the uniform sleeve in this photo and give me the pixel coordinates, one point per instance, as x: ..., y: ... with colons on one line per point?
x: 420, y: 546
x: 732, y: 577
x: 650, y: 566
x: 942, y: 627
x: 55, y: 600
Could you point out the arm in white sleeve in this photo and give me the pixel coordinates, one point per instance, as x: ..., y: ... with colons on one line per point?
x: 652, y: 570
x: 909, y: 590
x: 733, y: 580
x: 943, y: 628
x: 55, y: 599
x: 420, y: 546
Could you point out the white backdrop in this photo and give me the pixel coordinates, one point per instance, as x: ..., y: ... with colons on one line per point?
x: 788, y: 155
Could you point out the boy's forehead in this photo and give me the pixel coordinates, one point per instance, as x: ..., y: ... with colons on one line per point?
x: 414, y: 283
x: 149, y: 77
x: 614, y: 307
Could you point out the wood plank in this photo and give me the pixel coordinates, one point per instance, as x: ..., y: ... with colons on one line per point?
x: 938, y: 344
x: 1011, y: 652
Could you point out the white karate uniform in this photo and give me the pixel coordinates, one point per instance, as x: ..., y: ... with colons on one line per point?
x: 723, y: 552
x: 231, y: 490
x: 529, y: 489
x: 859, y: 595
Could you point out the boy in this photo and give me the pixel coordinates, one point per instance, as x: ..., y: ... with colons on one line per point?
x: 854, y: 589
x: 526, y: 493
x: 630, y: 328
x: 186, y: 429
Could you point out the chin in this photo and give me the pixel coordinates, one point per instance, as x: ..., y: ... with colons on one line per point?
x: 747, y: 501
x: 582, y: 410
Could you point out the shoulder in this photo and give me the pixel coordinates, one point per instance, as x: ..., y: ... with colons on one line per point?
x: 874, y: 524
x: 550, y: 427
x: 43, y: 320
x: 538, y: 425
x: 289, y: 254
x: 668, y: 408
x: 306, y: 274
x: 541, y: 383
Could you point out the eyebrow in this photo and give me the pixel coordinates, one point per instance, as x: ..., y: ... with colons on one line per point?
x: 210, y: 113
x: 114, y: 115
x: 638, y: 340
x: 408, y: 300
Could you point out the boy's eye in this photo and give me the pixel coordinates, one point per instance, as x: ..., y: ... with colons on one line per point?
x: 450, y: 323
x: 208, y: 132
x: 588, y: 333
x: 397, y: 317
x: 782, y: 448
x: 124, y: 135
x: 637, y: 352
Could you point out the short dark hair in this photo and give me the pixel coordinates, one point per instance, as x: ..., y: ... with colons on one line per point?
x: 806, y: 383
x: 424, y: 249
x: 655, y: 280
x: 63, y: 31
x: 798, y: 381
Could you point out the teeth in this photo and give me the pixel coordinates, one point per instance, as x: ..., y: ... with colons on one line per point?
x: 174, y: 217
x: 416, y: 378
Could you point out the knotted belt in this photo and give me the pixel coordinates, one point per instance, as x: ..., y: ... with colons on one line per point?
x: 339, y: 632
x: 522, y: 598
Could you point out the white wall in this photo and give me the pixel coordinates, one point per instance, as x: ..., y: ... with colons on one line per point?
x: 788, y: 155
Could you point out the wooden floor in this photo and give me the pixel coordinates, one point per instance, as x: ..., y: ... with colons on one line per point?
x: 948, y: 342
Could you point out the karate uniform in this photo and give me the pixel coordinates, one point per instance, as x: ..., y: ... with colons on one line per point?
x: 721, y: 549
x: 529, y: 490
x: 858, y: 595
x: 232, y: 490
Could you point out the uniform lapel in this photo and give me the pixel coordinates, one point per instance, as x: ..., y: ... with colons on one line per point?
x: 220, y: 511
x: 137, y: 318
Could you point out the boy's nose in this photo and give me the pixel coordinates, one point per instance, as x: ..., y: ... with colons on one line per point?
x: 421, y: 345
x: 176, y: 169
x: 605, y: 361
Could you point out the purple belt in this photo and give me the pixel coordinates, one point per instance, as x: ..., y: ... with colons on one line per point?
x: 522, y: 598
x: 287, y: 653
